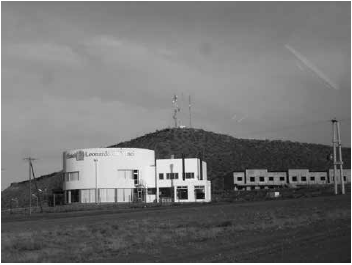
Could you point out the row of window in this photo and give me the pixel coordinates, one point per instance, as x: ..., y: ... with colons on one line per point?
x: 261, y: 179
x: 182, y: 192
x: 294, y: 178
x: 188, y: 175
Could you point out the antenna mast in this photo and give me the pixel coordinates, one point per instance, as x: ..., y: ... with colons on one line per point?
x: 190, y: 113
x: 176, y: 110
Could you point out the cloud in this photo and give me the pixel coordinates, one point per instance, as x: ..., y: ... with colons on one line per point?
x: 46, y: 53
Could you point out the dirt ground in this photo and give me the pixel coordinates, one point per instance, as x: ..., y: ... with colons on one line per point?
x: 298, y: 230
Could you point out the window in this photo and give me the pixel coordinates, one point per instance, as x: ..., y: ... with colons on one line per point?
x: 182, y: 193
x: 199, y: 192
x: 344, y: 178
x: 161, y: 175
x: 74, y: 195
x: 312, y: 178
x: 190, y: 175
x: 151, y: 191
x: 294, y: 178
x: 282, y: 178
x: 261, y: 179
x: 135, y: 177
x: 72, y: 176
x: 322, y: 178
x: 125, y: 174
x: 171, y: 175
x: 239, y: 178
x: 271, y: 178
x: 252, y: 179
x: 303, y: 178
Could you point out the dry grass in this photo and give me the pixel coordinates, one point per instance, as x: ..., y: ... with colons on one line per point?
x: 85, y: 242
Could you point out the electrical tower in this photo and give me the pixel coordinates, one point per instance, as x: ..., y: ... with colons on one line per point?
x: 336, y: 143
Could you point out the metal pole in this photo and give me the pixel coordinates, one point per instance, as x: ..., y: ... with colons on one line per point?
x: 334, y: 155
x: 340, y: 158
x: 30, y: 191
x: 96, y: 180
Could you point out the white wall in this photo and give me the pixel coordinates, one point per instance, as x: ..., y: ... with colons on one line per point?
x: 237, y: 175
x: 256, y: 173
x: 108, y: 166
x: 299, y: 173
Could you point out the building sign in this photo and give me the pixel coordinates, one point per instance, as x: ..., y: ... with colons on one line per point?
x: 80, y: 154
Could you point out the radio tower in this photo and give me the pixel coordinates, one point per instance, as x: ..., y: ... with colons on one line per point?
x: 176, y: 110
x: 190, y: 113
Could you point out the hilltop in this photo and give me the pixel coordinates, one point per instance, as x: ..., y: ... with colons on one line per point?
x: 223, y: 154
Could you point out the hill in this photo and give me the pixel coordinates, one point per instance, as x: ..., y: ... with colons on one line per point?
x: 223, y: 154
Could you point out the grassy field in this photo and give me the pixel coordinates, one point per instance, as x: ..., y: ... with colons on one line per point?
x: 154, y: 233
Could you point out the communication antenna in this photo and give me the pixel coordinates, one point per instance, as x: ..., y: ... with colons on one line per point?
x: 176, y: 110
x: 190, y: 113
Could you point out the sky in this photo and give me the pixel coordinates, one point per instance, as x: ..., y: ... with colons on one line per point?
x: 93, y: 74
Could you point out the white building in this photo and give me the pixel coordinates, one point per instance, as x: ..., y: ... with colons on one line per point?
x: 129, y: 175
x: 183, y: 182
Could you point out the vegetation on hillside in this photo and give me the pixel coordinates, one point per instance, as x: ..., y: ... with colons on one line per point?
x: 20, y: 191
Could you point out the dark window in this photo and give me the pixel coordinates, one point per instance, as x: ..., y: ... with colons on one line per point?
x: 271, y: 178
x: 239, y: 178
x: 161, y: 175
x: 261, y: 179
x: 344, y: 178
x: 322, y: 178
x: 151, y: 190
x: 252, y: 179
x: 189, y: 175
x: 294, y: 178
x: 74, y: 196
x: 135, y: 177
x: 312, y: 178
x: 182, y: 193
x: 166, y: 192
x: 282, y: 178
x: 171, y: 175
x: 199, y: 192
x: 303, y: 178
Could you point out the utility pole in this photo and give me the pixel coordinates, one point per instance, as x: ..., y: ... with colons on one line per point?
x: 336, y: 142
x: 30, y: 159
x: 96, y: 180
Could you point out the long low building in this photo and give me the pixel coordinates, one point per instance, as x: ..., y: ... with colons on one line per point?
x: 261, y: 178
x: 114, y: 175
